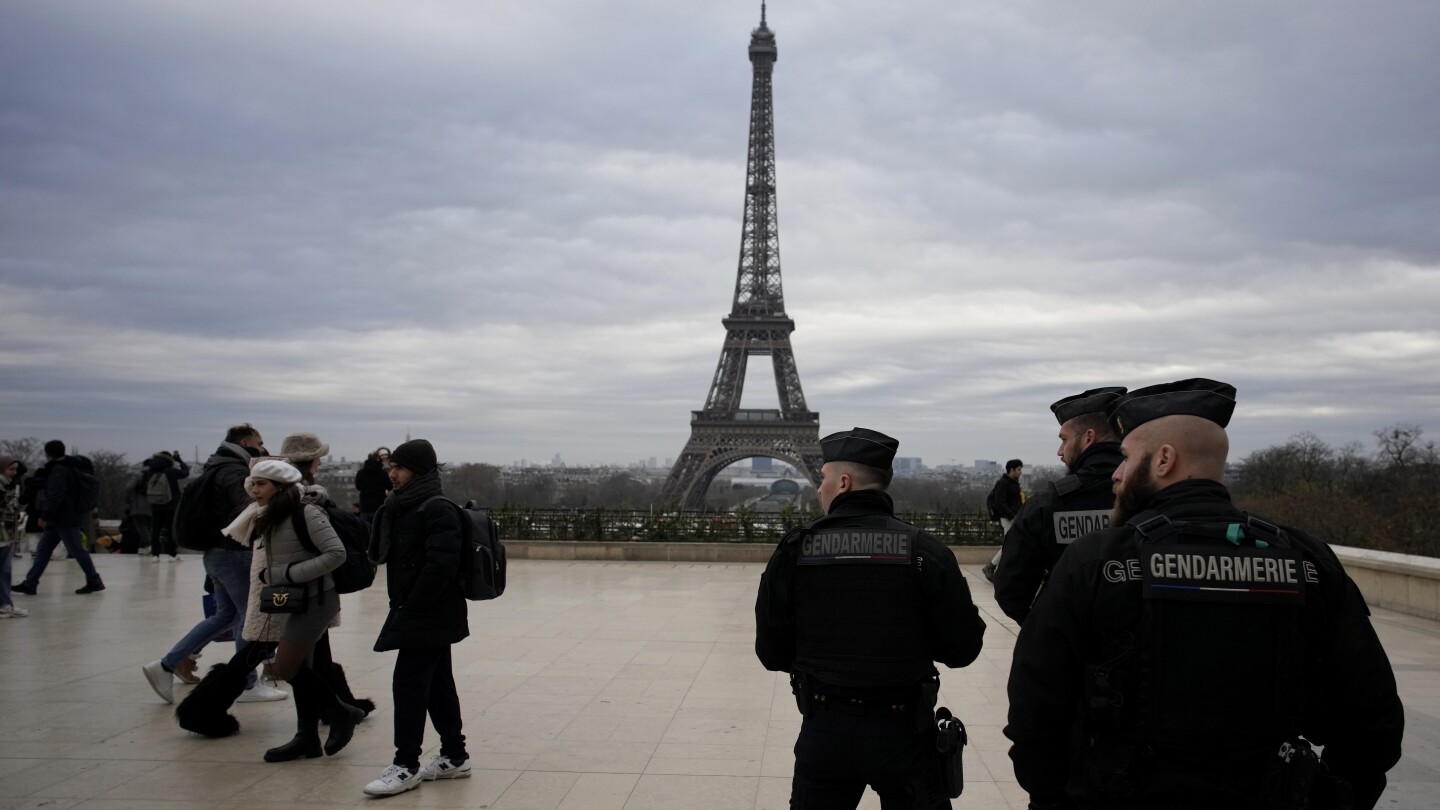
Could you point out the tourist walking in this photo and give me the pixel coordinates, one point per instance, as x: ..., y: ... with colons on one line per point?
x: 419, y: 535
x: 291, y: 575
x: 10, y: 527
x: 69, y: 497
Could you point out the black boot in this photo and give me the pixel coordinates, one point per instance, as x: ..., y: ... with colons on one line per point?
x: 334, y: 675
x: 306, y: 742
x: 341, y: 716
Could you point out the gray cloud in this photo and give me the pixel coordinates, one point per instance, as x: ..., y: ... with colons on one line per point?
x: 513, y: 228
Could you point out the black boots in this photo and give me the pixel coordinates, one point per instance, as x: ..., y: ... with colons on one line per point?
x: 315, y: 700
x: 342, y: 726
x: 302, y: 746
x: 306, y: 742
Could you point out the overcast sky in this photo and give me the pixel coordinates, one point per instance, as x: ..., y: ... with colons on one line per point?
x: 512, y: 227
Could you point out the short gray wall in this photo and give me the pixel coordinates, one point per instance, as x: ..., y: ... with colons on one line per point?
x: 1401, y: 582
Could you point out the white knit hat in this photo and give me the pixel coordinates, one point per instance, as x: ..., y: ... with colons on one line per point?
x: 274, y: 469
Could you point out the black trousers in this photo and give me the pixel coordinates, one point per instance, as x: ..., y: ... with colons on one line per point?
x: 841, y: 749
x: 161, y: 532
x: 424, y: 683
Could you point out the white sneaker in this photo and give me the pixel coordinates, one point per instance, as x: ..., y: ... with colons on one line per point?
x: 394, y: 779
x: 260, y: 693
x: 161, y: 681
x: 440, y: 767
x: 155, y: 559
x: 12, y: 612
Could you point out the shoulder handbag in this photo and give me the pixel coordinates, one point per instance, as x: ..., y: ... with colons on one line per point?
x: 281, y: 598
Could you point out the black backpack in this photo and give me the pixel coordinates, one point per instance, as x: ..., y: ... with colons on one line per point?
x: 357, y: 572
x: 991, y: 499
x: 483, y: 555
x: 86, y: 494
x: 196, y: 526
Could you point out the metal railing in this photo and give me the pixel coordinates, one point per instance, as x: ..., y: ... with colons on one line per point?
x: 740, y: 526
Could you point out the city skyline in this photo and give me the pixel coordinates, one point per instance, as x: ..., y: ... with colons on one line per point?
x: 513, y: 231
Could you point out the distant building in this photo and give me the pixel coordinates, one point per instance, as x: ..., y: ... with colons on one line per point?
x: 907, y: 466
x: 985, y: 465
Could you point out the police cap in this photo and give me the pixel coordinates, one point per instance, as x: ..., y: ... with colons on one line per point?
x: 1207, y: 399
x: 860, y: 445
x: 1096, y: 400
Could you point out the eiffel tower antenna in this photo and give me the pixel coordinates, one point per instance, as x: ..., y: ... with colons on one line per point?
x: 723, y: 433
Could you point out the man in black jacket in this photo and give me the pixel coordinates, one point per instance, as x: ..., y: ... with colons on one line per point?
x: 62, y: 510
x: 373, y: 484
x: 226, y: 562
x: 1004, y: 503
x: 1061, y: 513
x: 1176, y: 659
x: 858, y: 606
x: 418, y: 533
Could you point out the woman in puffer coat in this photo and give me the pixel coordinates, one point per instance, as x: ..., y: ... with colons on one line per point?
x: 267, y: 524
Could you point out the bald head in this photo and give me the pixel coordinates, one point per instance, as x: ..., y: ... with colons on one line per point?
x: 1182, y: 447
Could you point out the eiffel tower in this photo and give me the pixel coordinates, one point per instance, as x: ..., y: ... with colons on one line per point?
x: 723, y: 432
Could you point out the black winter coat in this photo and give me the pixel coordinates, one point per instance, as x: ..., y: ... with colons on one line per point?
x: 372, y: 483
x: 1088, y: 621
x: 32, y: 498
x: 226, y: 497
x: 1049, y: 522
x: 427, y: 606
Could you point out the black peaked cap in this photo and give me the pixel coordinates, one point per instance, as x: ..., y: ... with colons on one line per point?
x: 1096, y: 400
x: 860, y: 445
x: 1207, y: 399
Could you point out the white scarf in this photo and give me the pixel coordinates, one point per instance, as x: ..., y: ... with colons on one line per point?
x: 241, y: 527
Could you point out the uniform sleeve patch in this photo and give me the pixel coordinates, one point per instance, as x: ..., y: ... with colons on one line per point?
x: 841, y: 546
x: 1071, y: 526
x: 1218, y: 574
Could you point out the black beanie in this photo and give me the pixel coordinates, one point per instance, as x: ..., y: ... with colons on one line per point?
x: 416, y: 455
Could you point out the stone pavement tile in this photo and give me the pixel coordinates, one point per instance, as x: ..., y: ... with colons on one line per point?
x: 706, y: 760
x: 82, y: 779
x: 600, y: 791
x: 773, y: 793
x: 778, y: 760
x: 632, y: 667
x: 587, y: 757
x: 668, y: 792
x: 714, y: 726
x: 211, y: 782
x: 536, y: 790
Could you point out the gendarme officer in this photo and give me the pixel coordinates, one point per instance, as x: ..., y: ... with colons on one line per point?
x: 1061, y: 513
x: 1189, y: 655
x: 858, y: 606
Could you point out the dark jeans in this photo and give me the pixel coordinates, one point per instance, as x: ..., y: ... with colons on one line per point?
x: 424, y: 683
x: 52, y: 537
x: 841, y: 750
x: 162, y: 533
x: 229, y: 571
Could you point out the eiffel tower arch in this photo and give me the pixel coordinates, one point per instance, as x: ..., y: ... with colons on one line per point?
x: 722, y: 432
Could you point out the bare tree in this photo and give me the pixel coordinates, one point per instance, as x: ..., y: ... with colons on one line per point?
x: 116, y: 479
x: 1400, y: 445
x: 29, y: 450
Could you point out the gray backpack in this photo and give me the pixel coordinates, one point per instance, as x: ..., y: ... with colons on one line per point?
x: 157, y: 489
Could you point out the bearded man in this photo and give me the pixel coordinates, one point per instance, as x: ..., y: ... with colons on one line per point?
x: 1190, y: 655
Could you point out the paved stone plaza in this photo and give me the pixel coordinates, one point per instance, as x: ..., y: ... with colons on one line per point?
x: 588, y: 686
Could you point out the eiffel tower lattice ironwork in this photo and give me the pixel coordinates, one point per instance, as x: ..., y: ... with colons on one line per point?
x: 723, y: 433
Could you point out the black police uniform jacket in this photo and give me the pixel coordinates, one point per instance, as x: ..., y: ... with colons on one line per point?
x: 865, y: 625
x: 427, y: 605
x: 1187, y: 707
x: 1048, y: 523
